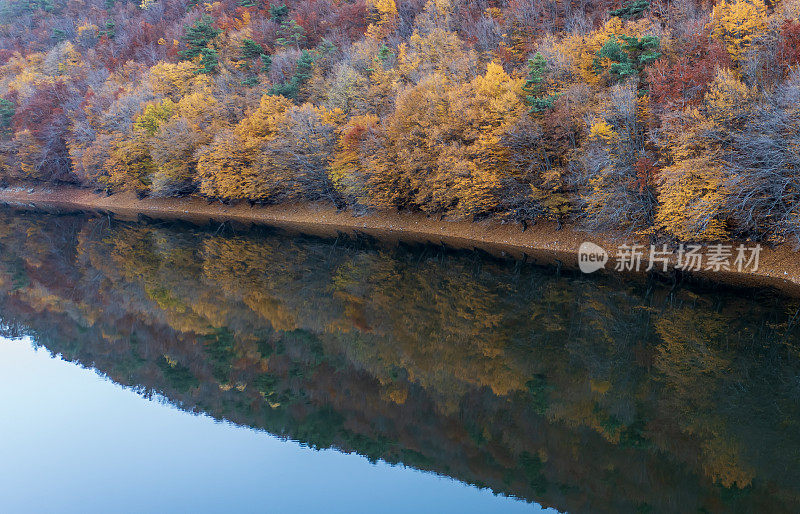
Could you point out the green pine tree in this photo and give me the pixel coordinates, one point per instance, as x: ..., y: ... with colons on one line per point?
x: 111, y: 29
x: 627, y: 56
x: 278, y: 12
x: 631, y: 10
x: 250, y: 81
x: 7, y: 110
x: 266, y: 63
x: 384, y: 54
x: 209, y: 60
x: 198, y: 37
x: 534, y: 88
x: 291, y: 34
x: 303, y: 70
x: 250, y: 49
x: 59, y: 35
x: 305, y: 65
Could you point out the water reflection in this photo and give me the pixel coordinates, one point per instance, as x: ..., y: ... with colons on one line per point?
x: 585, y: 394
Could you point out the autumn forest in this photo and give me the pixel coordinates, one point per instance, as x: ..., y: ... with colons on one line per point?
x: 672, y: 120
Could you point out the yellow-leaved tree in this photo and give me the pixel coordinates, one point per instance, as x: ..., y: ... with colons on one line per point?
x: 691, y: 190
x: 737, y: 23
x: 437, y: 51
x: 28, y: 155
x: 227, y: 167
x: 383, y: 18
x: 489, y: 107
x: 445, y: 140
x: 129, y: 165
x: 174, y: 80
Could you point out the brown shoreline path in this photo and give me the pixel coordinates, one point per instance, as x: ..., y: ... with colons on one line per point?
x: 542, y: 243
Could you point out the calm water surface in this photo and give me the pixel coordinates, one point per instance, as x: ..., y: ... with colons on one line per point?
x: 252, y: 370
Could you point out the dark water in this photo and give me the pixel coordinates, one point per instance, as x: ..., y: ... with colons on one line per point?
x: 586, y: 394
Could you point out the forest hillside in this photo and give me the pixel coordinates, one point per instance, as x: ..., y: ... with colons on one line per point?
x: 670, y: 119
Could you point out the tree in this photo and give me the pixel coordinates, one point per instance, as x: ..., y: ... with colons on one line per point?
x: 293, y: 88
x: 153, y: 116
x: 538, y: 185
x: 209, y: 61
x: 94, y: 161
x: 693, y: 189
x: 620, y: 60
x: 294, y: 164
x: 690, y: 191
x: 683, y: 77
x: 492, y: 105
x: 446, y: 143
x: 29, y: 158
x: 129, y: 166
x: 291, y: 34
x: 250, y: 49
x: 737, y: 24
x: 195, y: 120
x: 42, y: 113
x: 366, y: 83
x: 227, y: 168
x: 266, y: 63
x: 198, y: 38
x: 173, y: 80
x: 632, y: 9
x: 534, y: 87
x: 789, y: 45
x: 172, y: 150
x: 383, y: 18
x: 359, y: 155
x: 277, y: 13
x: 347, y: 90
x: 110, y: 29
x: 762, y: 182
x: 7, y: 110
x: 612, y: 195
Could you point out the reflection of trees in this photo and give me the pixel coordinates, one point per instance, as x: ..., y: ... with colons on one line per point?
x: 586, y: 394
x: 692, y: 368
x: 447, y: 336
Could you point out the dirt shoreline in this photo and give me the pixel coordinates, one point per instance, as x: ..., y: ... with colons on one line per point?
x: 543, y: 243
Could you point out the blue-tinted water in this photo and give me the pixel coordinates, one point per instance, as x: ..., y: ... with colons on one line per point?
x: 479, y: 379
x: 73, y: 441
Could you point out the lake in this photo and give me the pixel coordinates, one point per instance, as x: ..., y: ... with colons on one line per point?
x: 151, y: 366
